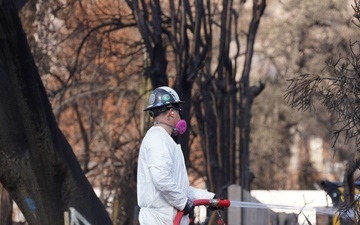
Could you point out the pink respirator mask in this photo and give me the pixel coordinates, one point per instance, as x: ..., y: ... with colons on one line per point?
x: 180, y: 128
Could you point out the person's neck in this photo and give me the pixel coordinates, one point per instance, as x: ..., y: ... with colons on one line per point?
x: 164, y: 125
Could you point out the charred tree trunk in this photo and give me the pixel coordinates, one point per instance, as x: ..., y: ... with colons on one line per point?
x: 37, y: 165
x: 247, y: 96
x: 151, y: 33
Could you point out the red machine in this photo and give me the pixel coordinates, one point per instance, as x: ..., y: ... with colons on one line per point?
x: 217, y: 203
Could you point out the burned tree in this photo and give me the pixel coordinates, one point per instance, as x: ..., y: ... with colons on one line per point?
x: 37, y: 165
x: 337, y: 88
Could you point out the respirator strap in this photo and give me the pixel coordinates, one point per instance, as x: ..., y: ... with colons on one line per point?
x: 157, y: 122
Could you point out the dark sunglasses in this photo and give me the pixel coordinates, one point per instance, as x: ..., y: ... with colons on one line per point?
x: 179, y: 110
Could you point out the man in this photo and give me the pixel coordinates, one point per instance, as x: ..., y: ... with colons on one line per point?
x: 162, y: 180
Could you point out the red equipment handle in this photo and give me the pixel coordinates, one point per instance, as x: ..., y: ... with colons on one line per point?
x: 210, y: 202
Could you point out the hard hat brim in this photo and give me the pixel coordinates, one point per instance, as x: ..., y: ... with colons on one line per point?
x: 152, y: 107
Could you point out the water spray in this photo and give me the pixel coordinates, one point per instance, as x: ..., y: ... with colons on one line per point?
x: 225, y: 203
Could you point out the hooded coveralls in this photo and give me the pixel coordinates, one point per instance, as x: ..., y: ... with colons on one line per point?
x: 162, y: 180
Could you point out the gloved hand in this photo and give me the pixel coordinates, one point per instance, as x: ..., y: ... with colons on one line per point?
x: 188, y: 207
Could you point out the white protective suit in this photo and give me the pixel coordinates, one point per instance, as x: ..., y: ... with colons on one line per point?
x: 162, y: 180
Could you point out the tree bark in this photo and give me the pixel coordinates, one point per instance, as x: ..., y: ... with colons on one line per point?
x: 247, y: 96
x: 37, y: 165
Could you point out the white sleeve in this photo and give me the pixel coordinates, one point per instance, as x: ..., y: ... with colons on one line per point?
x: 197, y: 193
